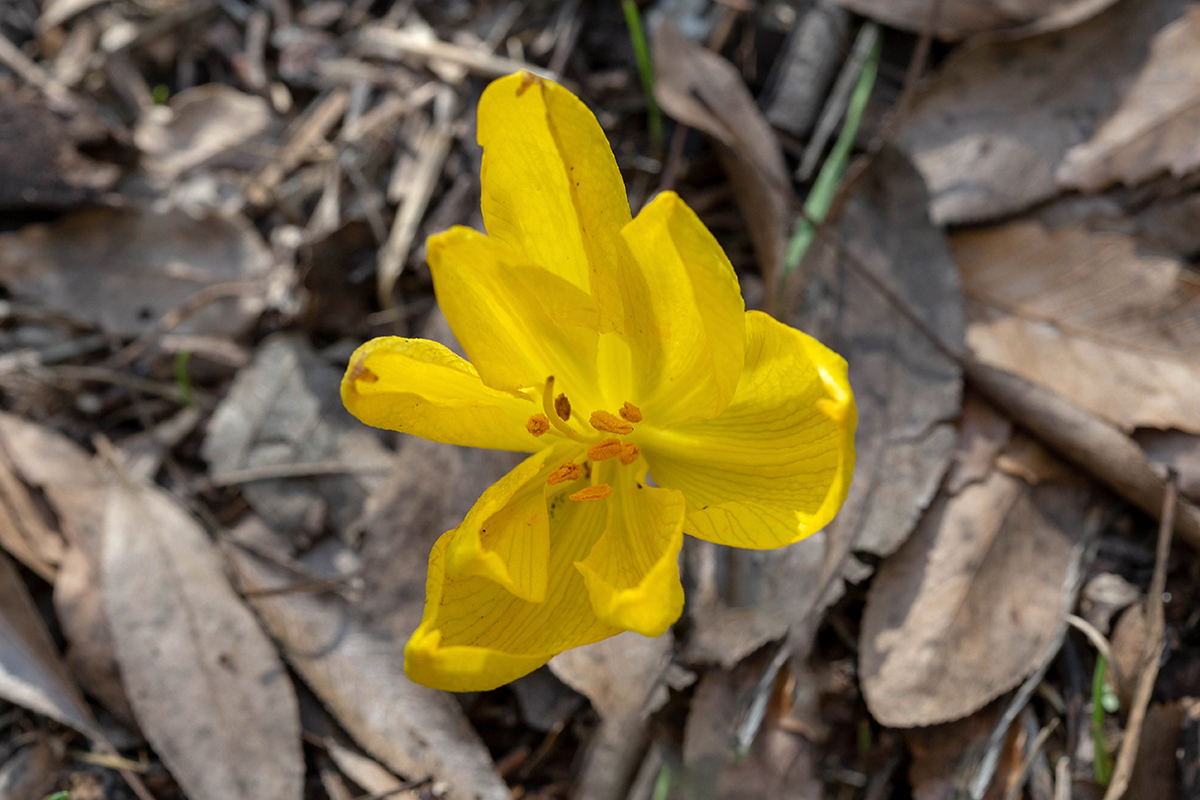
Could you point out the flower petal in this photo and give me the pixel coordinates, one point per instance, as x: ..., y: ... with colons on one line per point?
x: 632, y: 572
x: 551, y: 187
x: 684, y: 315
x: 417, y: 386
x: 775, y: 466
x: 518, y: 323
x: 476, y: 635
x: 505, y: 537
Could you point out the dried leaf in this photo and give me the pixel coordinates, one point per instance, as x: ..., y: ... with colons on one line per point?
x: 1156, y: 771
x: 702, y: 89
x: 982, y: 434
x: 940, y: 752
x: 1156, y: 128
x: 1105, y: 595
x: 31, y: 772
x: 359, y: 676
x: 197, y: 124
x: 1086, y: 315
x: 205, y: 683
x: 958, y: 19
x: 31, y: 673
x: 991, y: 129
x: 122, y: 269
x: 284, y: 409
x: 964, y: 609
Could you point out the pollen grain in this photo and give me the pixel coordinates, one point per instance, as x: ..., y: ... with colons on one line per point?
x: 569, y: 471
x: 537, y: 424
x: 601, y: 491
x: 610, y: 423
x: 562, y: 407
x: 630, y: 413
x: 629, y: 453
x: 602, y: 451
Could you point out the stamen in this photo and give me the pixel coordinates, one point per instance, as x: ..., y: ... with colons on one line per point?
x: 553, y: 416
x: 601, y: 491
x: 562, y: 407
x: 359, y: 372
x: 537, y: 424
x: 602, y: 451
x: 569, y: 471
x: 604, y: 421
x: 629, y: 453
x: 630, y: 412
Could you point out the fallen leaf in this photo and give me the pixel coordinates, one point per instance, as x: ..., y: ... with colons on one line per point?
x: 359, y: 676
x: 1154, y: 130
x: 958, y: 19
x: 1177, y: 450
x: 982, y: 434
x: 700, y: 88
x: 123, y: 269
x: 1129, y: 648
x: 206, y: 684
x: 1156, y: 771
x: 1105, y: 595
x: 31, y: 673
x: 31, y: 772
x: 1086, y: 315
x: 625, y: 678
x: 991, y: 128
x: 963, y: 610
x: 545, y: 701
x: 940, y: 752
x: 196, y: 125
x: 285, y: 409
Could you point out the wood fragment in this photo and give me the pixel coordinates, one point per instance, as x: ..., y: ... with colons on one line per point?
x: 309, y: 133
x: 61, y: 98
x: 381, y: 42
x: 1155, y: 645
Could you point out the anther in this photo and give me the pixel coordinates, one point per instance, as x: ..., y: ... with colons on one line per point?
x: 601, y: 491
x: 562, y: 407
x: 629, y: 453
x: 609, y: 423
x: 537, y: 424
x: 630, y: 413
x: 602, y: 451
x: 569, y: 471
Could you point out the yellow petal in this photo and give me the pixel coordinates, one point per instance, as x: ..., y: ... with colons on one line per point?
x: 684, y: 315
x: 419, y: 387
x: 476, y: 635
x: 505, y: 537
x: 551, y: 187
x: 775, y: 466
x: 632, y: 572
x: 518, y: 323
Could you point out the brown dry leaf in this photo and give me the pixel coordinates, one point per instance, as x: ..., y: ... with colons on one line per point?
x: 625, y: 678
x: 205, y: 682
x: 964, y: 609
x: 939, y: 752
x: 983, y: 433
x: 359, y: 676
x: 990, y: 130
x: 701, y: 89
x: 122, y: 269
x: 77, y: 490
x: 1156, y: 771
x: 196, y: 125
x: 285, y: 409
x: 958, y: 19
x: 1177, y: 450
x: 1156, y: 128
x: 1129, y: 648
x: 31, y: 673
x: 33, y: 770
x: 1086, y: 315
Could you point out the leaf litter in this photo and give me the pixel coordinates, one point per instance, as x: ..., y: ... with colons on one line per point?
x: 204, y: 206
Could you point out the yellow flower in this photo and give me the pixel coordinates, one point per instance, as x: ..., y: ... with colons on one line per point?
x: 609, y: 348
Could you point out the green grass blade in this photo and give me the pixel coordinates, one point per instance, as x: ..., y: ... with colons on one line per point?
x: 637, y: 35
x: 1102, y: 766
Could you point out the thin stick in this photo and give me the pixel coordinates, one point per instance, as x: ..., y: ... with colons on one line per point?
x: 1030, y: 758
x: 1155, y: 644
x: 301, y: 470
x: 1100, y: 642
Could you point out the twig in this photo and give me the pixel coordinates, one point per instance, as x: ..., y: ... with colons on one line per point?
x: 1030, y: 759
x: 388, y: 43
x: 1062, y: 778
x: 311, y: 131
x: 175, y: 316
x: 1101, y: 643
x: 1072, y: 583
x: 839, y: 99
x: 61, y: 98
x: 301, y: 470
x: 1155, y: 644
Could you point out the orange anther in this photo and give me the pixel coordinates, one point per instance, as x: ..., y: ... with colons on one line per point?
x: 562, y: 407
x: 601, y: 491
x: 630, y: 412
x: 569, y: 471
x: 537, y: 424
x: 629, y: 453
x: 359, y: 372
x: 609, y: 423
x: 602, y: 451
